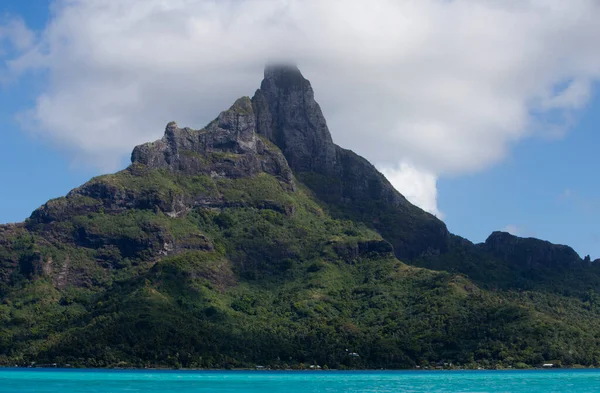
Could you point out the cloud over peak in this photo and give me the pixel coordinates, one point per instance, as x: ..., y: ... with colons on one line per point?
x: 430, y: 87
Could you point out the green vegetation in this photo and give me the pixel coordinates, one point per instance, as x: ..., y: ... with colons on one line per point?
x: 148, y: 268
x: 208, y: 251
x: 562, y: 274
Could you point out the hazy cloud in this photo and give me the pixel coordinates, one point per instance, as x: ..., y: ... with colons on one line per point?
x: 519, y: 230
x: 14, y: 32
x: 585, y: 203
x: 512, y: 229
x: 421, y: 88
x: 566, y: 194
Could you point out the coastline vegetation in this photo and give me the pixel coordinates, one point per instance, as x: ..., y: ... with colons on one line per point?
x: 266, y: 278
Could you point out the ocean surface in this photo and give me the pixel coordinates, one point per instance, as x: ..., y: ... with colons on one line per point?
x: 104, y: 381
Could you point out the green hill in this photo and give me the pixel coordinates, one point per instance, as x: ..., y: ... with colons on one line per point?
x: 257, y: 241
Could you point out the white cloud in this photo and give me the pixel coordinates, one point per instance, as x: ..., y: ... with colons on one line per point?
x: 14, y: 36
x: 442, y: 86
x: 512, y: 229
x: 419, y: 186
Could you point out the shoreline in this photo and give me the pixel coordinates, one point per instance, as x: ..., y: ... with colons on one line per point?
x: 258, y: 370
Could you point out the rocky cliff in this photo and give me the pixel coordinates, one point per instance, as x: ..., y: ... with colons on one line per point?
x: 228, y: 147
x: 530, y: 252
x: 289, y: 116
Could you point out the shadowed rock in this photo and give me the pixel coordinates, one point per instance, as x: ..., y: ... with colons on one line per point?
x: 227, y: 147
x: 287, y: 114
x: 530, y: 252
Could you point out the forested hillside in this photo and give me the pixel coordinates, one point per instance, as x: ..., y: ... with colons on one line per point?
x: 258, y: 241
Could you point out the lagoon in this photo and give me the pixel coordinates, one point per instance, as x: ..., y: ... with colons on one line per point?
x: 117, y: 381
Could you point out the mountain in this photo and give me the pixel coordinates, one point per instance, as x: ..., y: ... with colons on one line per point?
x: 352, y: 188
x: 509, y: 262
x: 258, y: 241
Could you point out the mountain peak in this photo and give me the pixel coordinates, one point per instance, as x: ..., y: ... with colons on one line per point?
x: 281, y: 67
x: 284, y: 76
x: 529, y: 251
x: 227, y: 147
x: 289, y: 116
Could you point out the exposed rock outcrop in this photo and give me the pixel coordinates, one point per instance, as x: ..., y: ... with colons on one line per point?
x: 185, y: 169
x: 530, y: 252
x: 227, y: 147
x: 350, y: 251
x: 287, y: 114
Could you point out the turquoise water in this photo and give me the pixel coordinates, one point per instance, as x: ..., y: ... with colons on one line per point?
x: 101, y: 381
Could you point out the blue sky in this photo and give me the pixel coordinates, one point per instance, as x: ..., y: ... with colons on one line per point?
x: 545, y: 188
x: 532, y: 184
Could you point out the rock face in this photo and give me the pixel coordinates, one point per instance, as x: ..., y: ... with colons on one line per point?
x: 530, y: 252
x: 186, y: 169
x: 289, y: 116
x: 227, y: 147
x: 10, y: 256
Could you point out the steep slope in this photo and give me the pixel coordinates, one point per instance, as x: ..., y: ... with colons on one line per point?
x: 349, y: 185
x: 210, y: 250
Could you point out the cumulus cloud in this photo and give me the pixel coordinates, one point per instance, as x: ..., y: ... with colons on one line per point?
x: 421, y: 88
x: 419, y: 186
